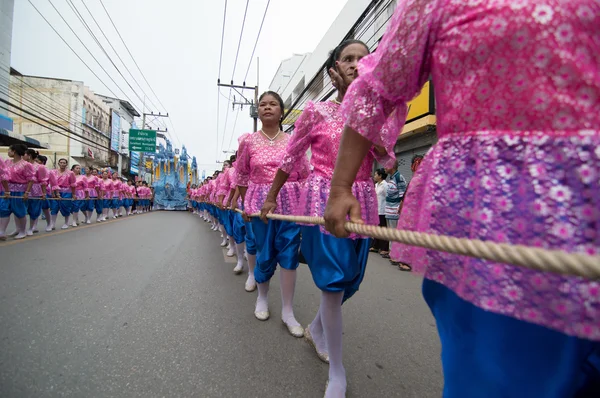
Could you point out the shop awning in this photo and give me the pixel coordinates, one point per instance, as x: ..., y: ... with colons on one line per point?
x: 9, y: 138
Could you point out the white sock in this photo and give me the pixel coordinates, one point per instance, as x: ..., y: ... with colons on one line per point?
x: 239, y: 248
x: 331, y: 318
x: 287, y: 280
x: 316, y: 331
x: 262, y: 301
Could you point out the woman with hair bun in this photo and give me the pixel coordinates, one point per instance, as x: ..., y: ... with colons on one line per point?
x: 38, y: 190
x: 277, y: 242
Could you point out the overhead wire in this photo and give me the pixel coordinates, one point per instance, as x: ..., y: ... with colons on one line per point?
x: 86, y: 47
x: 219, y: 80
x: 233, y: 73
x: 89, y: 30
x: 256, y: 42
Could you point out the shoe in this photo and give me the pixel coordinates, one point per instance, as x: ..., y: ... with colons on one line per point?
x: 296, y: 331
x: 224, y: 243
x: 323, y: 356
x: 74, y: 224
x: 20, y: 236
x: 262, y: 316
x: 239, y: 268
x: 88, y: 222
x: 35, y: 230
x: 2, y: 237
x: 230, y: 253
x: 29, y: 232
x: 250, y: 285
x: 13, y: 234
x: 65, y: 227
x: 49, y: 228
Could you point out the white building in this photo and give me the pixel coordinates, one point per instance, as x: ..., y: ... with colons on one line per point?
x: 367, y: 21
x: 6, y: 22
x: 67, y: 116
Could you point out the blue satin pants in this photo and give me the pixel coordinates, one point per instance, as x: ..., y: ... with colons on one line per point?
x: 336, y: 265
x: 277, y: 242
x: 63, y: 205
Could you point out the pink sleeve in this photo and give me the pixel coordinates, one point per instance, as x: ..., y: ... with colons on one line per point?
x: 28, y: 171
x: 72, y: 179
x: 243, y: 163
x: 3, y: 171
x: 85, y: 184
x: 297, y: 146
x: 52, y: 182
x: 42, y: 175
x: 394, y: 74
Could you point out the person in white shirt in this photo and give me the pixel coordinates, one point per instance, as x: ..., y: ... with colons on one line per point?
x: 381, y: 188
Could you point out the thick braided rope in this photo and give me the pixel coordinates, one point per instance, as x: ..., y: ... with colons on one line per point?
x: 556, y: 261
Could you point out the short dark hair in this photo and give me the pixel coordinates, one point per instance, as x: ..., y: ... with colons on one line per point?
x: 281, y: 104
x: 42, y: 159
x: 32, y: 153
x: 381, y: 173
x: 415, y: 158
x: 20, y: 149
x: 64, y: 160
x: 334, y: 55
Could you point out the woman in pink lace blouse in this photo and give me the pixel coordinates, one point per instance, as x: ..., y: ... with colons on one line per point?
x: 20, y: 175
x: 38, y: 190
x: 277, y: 241
x: 337, y: 265
x: 65, y: 187
x: 517, y: 86
x: 82, y: 194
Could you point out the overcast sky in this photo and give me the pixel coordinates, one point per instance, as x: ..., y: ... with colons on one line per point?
x: 177, y: 44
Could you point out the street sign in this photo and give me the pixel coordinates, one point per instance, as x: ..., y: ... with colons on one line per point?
x: 142, y: 140
x: 176, y: 151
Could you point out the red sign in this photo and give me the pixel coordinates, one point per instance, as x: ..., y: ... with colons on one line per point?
x: 90, y: 153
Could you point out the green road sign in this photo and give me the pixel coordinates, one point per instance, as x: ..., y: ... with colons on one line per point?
x: 142, y: 140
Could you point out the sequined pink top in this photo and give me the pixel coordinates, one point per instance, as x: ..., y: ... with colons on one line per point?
x: 319, y: 129
x: 3, y: 174
x: 93, y: 185
x: 81, y: 186
x: 64, y: 181
x: 107, y: 187
x: 224, y: 184
x: 517, y: 89
x: 20, y: 174
x: 116, y: 188
x: 41, y: 175
x: 257, y: 162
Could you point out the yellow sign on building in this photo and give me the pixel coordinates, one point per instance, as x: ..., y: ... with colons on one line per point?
x: 419, y: 107
x: 149, y: 164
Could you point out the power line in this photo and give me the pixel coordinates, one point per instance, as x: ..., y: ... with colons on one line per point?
x: 222, y: 38
x: 118, y: 56
x: 71, y: 48
x: 219, y: 79
x: 87, y: 27
x: 256, y: 42
x: 87, y: 49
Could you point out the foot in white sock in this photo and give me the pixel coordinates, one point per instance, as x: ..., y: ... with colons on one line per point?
x: 239, y: 248
x: 261, y: 311
x: 314, y: 335
x: 287, y: 280
x: 331, y: 319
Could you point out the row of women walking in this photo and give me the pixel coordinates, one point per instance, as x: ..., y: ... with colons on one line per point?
x: 29, y: 189
x: 517, y: 161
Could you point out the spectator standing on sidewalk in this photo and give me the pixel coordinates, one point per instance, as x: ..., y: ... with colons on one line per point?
x: 395, y: 193
x: 381, y: 187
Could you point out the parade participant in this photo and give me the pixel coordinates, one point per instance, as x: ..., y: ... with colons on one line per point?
x: 517, y: 161
x: 100, y: 191
x: 276, y: 241
x: 41, y: 159
x: 337, y: 265
x: 82, y: 195
x: 130, y: 196
x: 38, y: 190
x: 64, y: 189
x: 222, y: 187
x: 20, y: 176
x: 117, y: 192
x: 243, y: 229
x: 93, y: 191
x: 235, y: 228
x: 106, y: 185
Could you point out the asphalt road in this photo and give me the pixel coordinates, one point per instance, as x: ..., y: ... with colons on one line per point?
x: 148, y: 306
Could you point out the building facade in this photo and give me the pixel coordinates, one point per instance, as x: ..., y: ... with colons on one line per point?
x: 64, y: 115
x: 367, y: 21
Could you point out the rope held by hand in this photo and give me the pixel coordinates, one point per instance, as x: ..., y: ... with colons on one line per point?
x: 557, y: 261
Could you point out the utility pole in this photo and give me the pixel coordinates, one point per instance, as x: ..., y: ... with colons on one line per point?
x: 253, y: 104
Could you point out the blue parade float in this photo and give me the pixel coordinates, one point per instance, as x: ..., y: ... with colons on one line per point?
x: 171, y: 179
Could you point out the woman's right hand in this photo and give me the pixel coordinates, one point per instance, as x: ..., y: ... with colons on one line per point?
x: 246, y: 217
x: 268, y: 208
